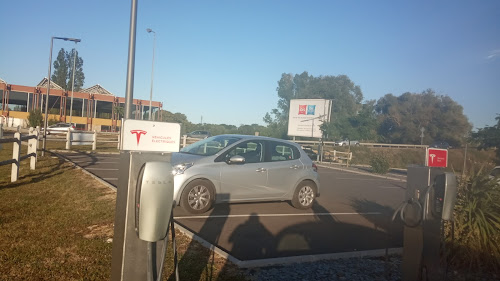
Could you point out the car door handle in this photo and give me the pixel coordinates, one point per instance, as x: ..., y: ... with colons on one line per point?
x: 260, y: 170
x: 294, y: 167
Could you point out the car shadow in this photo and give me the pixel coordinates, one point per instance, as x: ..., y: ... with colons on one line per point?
x: 196, y: 263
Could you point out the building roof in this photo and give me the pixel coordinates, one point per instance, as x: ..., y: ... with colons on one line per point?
x: 97, y: 89
x: 53, y: 85
x: 2, y: 81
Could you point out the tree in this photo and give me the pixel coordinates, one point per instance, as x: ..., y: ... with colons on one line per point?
x: 35, y: 118
x: 362, y: 126
x: 489, y: 137
x: 63, y: 70
x: 345, y: 94
x: 79, y: 75
x: 401, y: 118
x: 60, y: 75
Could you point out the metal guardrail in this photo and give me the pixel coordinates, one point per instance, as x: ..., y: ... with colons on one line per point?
x: 17, y: 140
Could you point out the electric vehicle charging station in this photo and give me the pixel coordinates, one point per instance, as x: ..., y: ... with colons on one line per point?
x: 144, y: 199
x: 429, y: 200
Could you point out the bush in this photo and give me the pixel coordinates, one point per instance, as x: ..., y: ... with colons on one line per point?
x: 35, y: 118
x: 379, y: 163
x: 477, y: 220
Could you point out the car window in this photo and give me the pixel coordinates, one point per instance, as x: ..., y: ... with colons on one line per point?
x: 495, y: 172
x: 210, y: 146
x: 283, y: 151
x: 253, y: 151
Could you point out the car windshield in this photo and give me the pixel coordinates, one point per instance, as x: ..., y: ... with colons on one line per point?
x: 210, y: 146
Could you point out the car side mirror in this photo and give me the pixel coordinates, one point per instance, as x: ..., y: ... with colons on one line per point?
x: 237, y: 159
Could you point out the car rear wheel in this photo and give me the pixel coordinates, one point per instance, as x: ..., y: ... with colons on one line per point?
x: 304, y: 195
x: 198, y: 196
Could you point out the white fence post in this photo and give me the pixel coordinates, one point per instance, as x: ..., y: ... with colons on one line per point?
x: 94, y: 141
x: 37, y: 136
x: 184, y: 140
x: 32, y: 147
x: 16, y: 153
x: 68, y: 139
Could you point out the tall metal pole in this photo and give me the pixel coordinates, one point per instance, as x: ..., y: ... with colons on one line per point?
x: 47, y: 99
x: 48, y: 88
x: 72, y: 87
x: 149, y: 30
x: 129, y: 93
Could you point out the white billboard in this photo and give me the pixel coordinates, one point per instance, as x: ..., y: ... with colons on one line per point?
x: 139, y: 135
x: 306, y: 116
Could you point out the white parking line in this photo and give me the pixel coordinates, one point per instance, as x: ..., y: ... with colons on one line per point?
x: 277, y: 215
x: 98, y: 162
x: 101, y: 169
x: 362, y: 179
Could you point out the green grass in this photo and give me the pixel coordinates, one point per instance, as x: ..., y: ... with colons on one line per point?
x: 56, y: 223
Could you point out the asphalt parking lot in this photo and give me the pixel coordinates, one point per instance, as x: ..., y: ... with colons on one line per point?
x: 352, y: 214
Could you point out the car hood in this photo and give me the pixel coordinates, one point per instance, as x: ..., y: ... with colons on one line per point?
x: 180, y: 157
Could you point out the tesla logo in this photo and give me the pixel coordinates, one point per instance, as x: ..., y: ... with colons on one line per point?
x: 138, y: 134
x: 432, y: 157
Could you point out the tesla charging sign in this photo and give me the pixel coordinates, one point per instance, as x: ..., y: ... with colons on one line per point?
x: 141, y: 135
x: 436, y: 157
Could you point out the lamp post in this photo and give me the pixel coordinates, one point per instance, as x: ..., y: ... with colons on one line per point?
x: 72, y: 86
x: 48, y: 88
x: 149, y: 30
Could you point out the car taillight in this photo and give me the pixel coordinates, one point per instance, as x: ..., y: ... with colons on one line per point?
x: 315, y: 168
x: 73, y: 127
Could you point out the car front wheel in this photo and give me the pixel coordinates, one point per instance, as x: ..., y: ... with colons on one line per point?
x: 304, y: 195
x: 198, y: 196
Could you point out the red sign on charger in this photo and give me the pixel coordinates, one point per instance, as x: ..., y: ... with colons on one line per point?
x: 436, y: 157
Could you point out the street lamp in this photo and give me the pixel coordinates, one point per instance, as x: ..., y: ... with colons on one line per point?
x: 72, y: 85
x: 48, y: 88
x: 149, y: 30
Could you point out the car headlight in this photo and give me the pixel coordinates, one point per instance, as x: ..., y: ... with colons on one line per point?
x: 179, y: 169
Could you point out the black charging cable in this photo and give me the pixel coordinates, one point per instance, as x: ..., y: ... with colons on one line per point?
x: 401, y: 209
x: 153, y: 274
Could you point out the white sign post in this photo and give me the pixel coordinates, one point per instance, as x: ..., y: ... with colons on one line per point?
x: 307, y: 115
x: 139, y: 135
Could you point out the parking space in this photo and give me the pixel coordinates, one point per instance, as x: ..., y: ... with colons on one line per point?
x: 104, y: 166
x: 352, y: 214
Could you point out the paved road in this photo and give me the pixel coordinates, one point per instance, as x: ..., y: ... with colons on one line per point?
x: 352, y: 214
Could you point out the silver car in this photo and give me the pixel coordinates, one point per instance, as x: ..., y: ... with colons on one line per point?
x: 240, y: 168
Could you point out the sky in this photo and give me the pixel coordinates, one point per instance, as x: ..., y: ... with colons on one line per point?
x: 219, y: 61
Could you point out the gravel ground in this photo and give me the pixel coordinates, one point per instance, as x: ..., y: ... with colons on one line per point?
x: 353, y: 269
x: 342, y: 269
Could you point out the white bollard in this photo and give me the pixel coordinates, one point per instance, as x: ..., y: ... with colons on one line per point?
x: 1, y: 134
x: 68, y: 140
x: 16, y: 154
x: 94, y: 141
x: 119, y: 137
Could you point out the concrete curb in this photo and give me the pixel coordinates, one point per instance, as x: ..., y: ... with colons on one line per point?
x: 83, y: 152
x: 360, y: 172
x: 262, y: 262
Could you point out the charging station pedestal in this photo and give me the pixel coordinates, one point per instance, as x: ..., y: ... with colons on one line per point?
x: 129, y: 252
x: 142, y: 142
x: 430, y: 198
